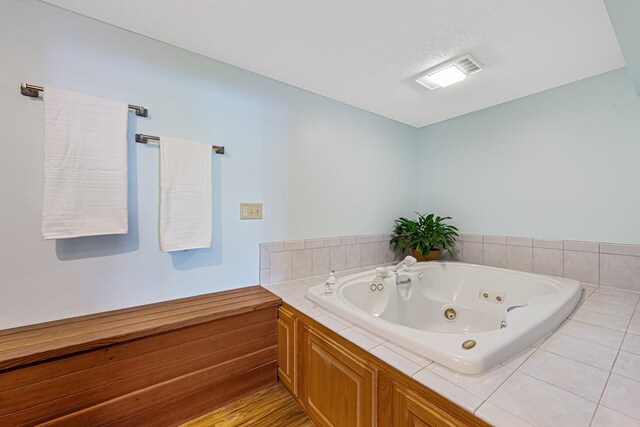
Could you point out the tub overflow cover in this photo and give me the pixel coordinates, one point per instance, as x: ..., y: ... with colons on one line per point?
x: 468, y: 344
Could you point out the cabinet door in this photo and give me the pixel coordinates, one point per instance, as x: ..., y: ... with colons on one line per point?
x: 411, y: 410
x: 287, y: 354
x: 339, y: 388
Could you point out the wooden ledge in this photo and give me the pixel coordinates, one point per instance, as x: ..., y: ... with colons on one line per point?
x: 43, y: 341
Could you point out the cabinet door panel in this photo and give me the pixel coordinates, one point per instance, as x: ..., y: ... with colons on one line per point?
x: 287, y: 361
x: 413, y: 411
x: 339, y: 388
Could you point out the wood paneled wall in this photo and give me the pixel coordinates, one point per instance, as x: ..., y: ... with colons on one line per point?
x: 224, y: 345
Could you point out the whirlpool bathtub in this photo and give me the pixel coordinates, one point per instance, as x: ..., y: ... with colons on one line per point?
x: 466, y: 317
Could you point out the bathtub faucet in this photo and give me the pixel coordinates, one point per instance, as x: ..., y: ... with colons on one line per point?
x: 405, y: 263
x: 402, y: 279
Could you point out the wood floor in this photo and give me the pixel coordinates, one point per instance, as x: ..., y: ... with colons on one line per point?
x: 270, y: 407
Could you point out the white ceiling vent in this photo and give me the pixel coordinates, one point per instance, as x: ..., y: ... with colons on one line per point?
x: 449, y: 72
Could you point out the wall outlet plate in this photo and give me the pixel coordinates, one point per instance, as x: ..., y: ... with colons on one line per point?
x: 250, y: 210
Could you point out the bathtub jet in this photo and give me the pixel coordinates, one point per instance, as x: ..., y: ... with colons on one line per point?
x: 445, y: 306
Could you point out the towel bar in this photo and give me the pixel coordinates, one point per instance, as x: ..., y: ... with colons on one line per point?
x: 33, y: 91
x: 141, y: 138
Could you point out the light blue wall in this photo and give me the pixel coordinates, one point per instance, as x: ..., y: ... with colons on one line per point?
x: 321, y: 168
x: 564, y: 163
x: 624, y: 15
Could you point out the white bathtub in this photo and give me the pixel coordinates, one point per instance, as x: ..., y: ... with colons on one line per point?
x: 413, y: 314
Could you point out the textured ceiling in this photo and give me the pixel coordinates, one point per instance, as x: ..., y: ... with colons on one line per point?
x: 367, y: 53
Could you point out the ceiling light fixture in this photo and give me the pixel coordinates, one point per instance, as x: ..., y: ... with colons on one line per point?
x: 449, y: 72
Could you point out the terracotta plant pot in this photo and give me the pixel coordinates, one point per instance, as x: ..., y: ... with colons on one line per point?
x: 432, y: 256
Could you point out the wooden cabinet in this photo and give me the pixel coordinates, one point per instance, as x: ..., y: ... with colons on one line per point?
x: 342, y: 385
x: 287, y: 351
x: 338, y: 386
x: 410, y: 410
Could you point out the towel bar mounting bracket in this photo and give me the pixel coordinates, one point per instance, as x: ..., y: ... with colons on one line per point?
x: 26, y: 90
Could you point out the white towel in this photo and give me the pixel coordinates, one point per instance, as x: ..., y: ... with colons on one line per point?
x: 85, y: 165
x: 185, y: 194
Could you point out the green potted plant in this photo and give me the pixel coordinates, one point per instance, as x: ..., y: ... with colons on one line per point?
x: 425, y: 236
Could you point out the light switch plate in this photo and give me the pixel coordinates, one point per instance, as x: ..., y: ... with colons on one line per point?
x: 250, y: 210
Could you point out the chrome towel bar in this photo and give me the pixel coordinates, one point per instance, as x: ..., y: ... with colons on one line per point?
x: 33, y: 91
x: 141, y: 138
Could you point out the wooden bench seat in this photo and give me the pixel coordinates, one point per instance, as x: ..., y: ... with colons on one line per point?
x: 158, y: 364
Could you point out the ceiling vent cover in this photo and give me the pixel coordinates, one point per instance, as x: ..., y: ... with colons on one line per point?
x: 468, y: 65
x: 449, y: 72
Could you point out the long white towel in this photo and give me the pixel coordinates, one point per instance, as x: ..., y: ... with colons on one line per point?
x: 85, y: 165
x: 185, y: 195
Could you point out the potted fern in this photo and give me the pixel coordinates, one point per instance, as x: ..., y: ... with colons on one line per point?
x: 425, y: 236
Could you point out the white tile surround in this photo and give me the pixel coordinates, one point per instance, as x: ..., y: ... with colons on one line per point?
x: 606, y: 264
x: 297, y: 259
x: 587, y: 373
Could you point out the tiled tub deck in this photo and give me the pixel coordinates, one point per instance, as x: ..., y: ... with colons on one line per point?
x: 587, y: 373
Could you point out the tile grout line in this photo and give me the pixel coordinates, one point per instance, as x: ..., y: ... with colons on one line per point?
x: 469, y: 391
x: 511, y: 374
x: 560, y: 388
x: 584, y: 363
x: 502, y: 409
x: 404, y: 357
x: 599, y: 267
x: 448, y: 381
x: 602, y: 312
x: 501, y: 384
x: 613, y: 366
x: 588, y: 341
x: 552, y: 385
